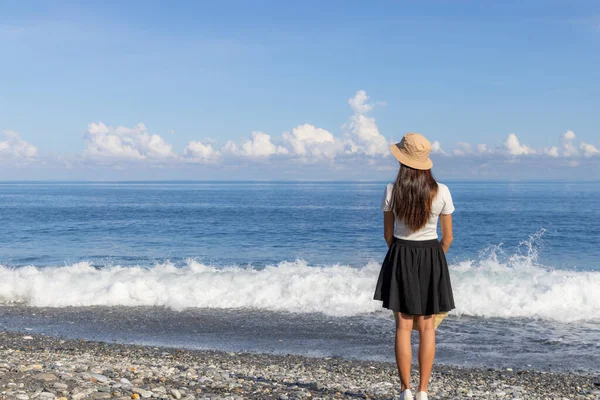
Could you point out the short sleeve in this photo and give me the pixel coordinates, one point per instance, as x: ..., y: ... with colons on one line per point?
x: 448, y: 207
x: 386, y: 201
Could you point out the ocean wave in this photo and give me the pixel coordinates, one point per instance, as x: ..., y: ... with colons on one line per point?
x: 515, y: 287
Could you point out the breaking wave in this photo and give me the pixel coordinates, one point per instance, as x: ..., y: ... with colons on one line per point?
x: 492, y: 286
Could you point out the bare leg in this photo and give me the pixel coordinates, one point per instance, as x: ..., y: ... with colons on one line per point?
x: 404, y: 324
x: 426, y: 350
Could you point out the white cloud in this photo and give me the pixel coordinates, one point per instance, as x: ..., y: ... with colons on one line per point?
x: 358, y: 143
x: 568, y: 148
x: 515, y: 148
x: 366, y: 137
x: 12, y: 146
x: 552, y: 151
x: 463, y: 149
x: 362, y: 130
x: 309, y: 141
x: 436, y: 148
x: 568, y: 135
x: 201, y: 152
x: 259, y: 146
x: 230, y: 147
x: 125, y: 143
x: 588, y: 149
x: 358, y: 103
x: 483, y: 148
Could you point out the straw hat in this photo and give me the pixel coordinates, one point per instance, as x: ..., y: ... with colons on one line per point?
x: 413, y: 151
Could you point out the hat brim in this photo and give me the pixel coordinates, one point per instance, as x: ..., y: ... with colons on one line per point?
x: 405, y: 159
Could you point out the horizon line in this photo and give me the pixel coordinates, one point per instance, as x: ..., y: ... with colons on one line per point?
x: 141, y: 181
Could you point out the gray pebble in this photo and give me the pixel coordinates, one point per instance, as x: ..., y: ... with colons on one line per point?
x: 45, y: 377
x: 99, y: 377
x: 100, y: 395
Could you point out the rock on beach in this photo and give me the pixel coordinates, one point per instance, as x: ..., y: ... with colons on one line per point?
x: 45, y: 368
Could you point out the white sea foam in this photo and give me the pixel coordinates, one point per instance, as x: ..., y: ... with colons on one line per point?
x: 516, y: 287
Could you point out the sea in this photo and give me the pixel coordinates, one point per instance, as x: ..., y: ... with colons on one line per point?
x: 290, y: 267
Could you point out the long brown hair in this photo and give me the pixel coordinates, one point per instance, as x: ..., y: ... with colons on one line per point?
x: 412, y: 196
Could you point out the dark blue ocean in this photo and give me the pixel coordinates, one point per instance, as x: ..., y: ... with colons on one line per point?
x: 291, y: 267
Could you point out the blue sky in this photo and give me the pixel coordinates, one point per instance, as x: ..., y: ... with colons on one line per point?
x: 209, y: 80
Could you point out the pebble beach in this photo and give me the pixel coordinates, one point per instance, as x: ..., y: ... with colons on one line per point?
x: 43, y: 367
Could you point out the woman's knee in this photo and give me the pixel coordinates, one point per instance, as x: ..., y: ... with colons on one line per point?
x: 425, y: 324
x: 403, y: 321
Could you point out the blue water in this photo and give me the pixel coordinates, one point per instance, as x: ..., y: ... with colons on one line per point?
x: 264, y: 223
x: 300, y: 258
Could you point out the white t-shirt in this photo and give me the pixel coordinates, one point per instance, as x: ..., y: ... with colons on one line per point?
x: 442, y: 204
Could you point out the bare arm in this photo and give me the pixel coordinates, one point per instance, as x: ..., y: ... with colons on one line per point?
x: 388, y: 227
x: 446, y: 222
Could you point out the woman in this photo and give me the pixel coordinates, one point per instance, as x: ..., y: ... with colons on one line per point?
x: 414, y: 282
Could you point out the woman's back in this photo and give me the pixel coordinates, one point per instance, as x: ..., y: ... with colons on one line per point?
x: 441, y: 204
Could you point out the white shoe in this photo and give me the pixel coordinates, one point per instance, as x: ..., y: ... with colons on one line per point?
x: 406, y: 395
x: 422, y: 396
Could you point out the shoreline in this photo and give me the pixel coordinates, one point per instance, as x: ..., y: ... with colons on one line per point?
x: 462, y: 341
x: 44, y: 367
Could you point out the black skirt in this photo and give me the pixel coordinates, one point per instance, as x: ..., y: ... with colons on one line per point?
x: 414, y: 278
